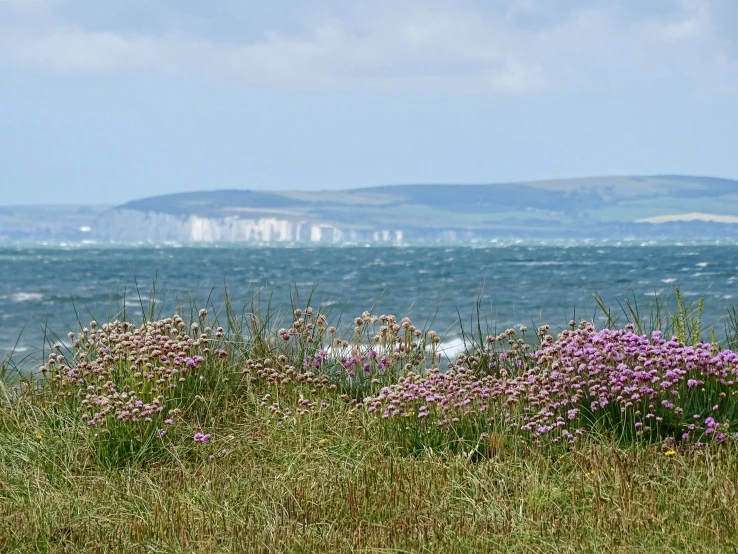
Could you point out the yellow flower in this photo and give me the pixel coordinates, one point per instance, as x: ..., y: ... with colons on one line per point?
x: 410, y: 414
x: 589, y: 473
x: 669, y: 453
x: 38, y: 436
x: 323, y: 441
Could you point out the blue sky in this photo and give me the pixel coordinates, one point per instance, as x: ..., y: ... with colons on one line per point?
x: 104, y: 102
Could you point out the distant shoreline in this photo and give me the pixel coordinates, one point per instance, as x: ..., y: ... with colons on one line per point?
x: 493, y: 243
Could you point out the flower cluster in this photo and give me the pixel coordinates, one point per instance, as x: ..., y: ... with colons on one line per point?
x: 448, y: 396
x: 612, y: 378
x: 378, y: 347
x: 376, y: 350
x: 373, y: 340
x: 653, y: 385
x: 307, y: 326
x: 131, y: 373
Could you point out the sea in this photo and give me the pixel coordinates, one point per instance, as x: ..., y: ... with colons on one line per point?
x: 48, y: 290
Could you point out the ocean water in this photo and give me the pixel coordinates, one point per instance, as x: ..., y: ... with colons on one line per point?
x: 49, y: 289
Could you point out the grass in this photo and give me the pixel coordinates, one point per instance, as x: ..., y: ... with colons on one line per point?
x: 335, y: 478
x: 330, y: 486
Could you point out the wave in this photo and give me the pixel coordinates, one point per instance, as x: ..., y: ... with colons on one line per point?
x: 26, y: 297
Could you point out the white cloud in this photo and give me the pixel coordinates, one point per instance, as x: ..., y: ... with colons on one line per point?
x: 404, y: 45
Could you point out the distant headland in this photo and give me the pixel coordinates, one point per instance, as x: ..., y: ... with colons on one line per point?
x: 638, y: 207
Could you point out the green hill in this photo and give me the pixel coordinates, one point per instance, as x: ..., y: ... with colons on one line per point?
x: 563, y: 204
x: 662, y: 206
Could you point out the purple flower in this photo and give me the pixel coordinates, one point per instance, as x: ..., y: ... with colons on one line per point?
x: 582, y: 368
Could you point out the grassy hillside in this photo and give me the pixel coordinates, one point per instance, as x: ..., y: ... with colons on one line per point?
x: 565, y: 201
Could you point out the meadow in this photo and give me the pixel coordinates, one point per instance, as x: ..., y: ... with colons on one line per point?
x: 224, y: 430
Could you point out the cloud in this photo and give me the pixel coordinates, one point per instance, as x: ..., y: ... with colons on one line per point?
x: 513, y: 47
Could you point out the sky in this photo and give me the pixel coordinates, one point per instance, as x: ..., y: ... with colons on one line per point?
x: 102, y: 102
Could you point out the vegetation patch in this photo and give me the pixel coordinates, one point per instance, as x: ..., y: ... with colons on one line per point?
x: 194, y: 434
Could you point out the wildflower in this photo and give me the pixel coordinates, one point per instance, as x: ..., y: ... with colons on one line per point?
x: 199, y: 437
x: 711, y: 425
x: 669, y: 453
x: 38, y: 436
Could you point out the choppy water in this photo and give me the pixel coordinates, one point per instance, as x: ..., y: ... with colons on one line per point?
x: 520, y: 283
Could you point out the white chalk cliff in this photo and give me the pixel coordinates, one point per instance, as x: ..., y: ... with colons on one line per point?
x: 123, y: 225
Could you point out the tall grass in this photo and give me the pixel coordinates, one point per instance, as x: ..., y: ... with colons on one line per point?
x: 264, y: 430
